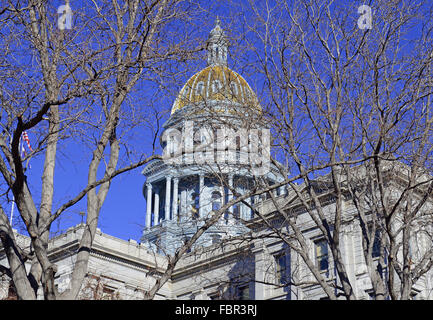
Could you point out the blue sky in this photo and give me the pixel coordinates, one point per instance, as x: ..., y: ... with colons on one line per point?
x: 123, y: 213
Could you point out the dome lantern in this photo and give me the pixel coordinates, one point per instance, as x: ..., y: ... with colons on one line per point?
x: 217, y: 46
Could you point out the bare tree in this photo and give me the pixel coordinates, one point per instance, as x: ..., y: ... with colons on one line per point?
x: 60, y: 83
x: 350, y: 112
x: 350, y: 109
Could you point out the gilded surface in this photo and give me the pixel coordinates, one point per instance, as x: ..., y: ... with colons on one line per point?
x: 216, y: 83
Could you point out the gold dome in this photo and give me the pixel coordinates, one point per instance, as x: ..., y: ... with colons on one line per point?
x: 216, y: 83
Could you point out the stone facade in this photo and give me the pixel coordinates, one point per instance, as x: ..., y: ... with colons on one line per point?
x: 234, y: 269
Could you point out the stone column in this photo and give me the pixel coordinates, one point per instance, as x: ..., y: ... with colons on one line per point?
x: 247, y: 213
x: 256, y: 200
x: 175, y: 197
x: 149, y: 205
x: 183, y: 203
x: 230, y: 195
x: 167, y: 197
x: 222, y: 195
x: 222, y: 202
x: 200, y: 195
x: 156, y: 208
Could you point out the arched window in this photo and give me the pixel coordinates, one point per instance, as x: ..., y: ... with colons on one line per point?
x: 216, y: 86
x: 172, y: 147
x: 234, y: 88
x: 216, y: 200
x: 185, y: 92
x: 199, y: 88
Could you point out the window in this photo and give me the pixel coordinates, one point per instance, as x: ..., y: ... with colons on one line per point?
x: 321, y: 247
x: 216, y: 200
x: 215, y: 238
x: 236, y: 211
x: 376, y: 242
x: 280, y: 268
x: 199, y: 88
x: 234, y: 88
x: 216, y: 86
x: 171, y: 145
x: 226, y: 217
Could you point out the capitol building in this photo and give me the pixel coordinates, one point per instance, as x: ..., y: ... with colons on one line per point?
x: 234, y: 258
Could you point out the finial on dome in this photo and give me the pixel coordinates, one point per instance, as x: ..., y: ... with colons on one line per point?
x: 217, y: 45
